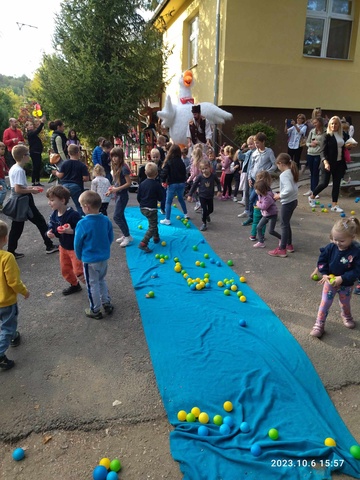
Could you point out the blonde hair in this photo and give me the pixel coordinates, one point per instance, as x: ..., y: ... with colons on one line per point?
x: 2, y: 145
x: 99, y: 170
x: 91, y: 199
x: 285, y: 159
x: 197, y: 156
x: 157, y: 151
x: 151, y: 170
x: 3, y: 229
x: 19, y: 151
x: 337, y: 119
x: 347, y: 226
x: 229, y: 151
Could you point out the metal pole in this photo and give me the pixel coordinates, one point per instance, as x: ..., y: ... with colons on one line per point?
x: 216, y: 66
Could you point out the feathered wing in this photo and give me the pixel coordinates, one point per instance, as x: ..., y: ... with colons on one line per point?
x: 214, y: 114
x: 168, y: 113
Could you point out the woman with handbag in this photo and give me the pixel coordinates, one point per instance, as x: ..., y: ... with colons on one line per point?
x: 296, y: 137
x: 58, y: 142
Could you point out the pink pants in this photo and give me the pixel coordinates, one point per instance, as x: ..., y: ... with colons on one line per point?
x: 328, y: 295
x: 71, y: 267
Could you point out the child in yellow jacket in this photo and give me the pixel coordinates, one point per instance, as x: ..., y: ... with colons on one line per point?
x: 10, y: 286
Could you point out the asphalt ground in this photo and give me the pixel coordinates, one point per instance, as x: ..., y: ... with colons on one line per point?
x: 58, y: 401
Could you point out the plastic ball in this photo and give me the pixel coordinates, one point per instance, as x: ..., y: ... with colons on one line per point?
x: 352, y: 212
x: 255, y: 450
x: 166, y: 257
x: 228, y: 285
x: 163, y: 243
x: 105, y: 462
x: 188, y: 225
x: 329, y: 205
x: 230, y: 263
x: 140, y: 227
x: 206, y: 255
x: 317, y: 202
x: 203, y: 431
x: 176, y: 259
x: 357, y: 200
x: 233, y: 288
x: 313, y: 209
x: 190, y: 417
x: 112, y: 476
x: 198, y: 286
x: 177, y: 268
x: 196, y: 411
x: 100, y: 473
x: 227, y: 292
x: 220, y: 284
x: 343, y: 215
x: 228, y: 421
x: 218, y: 420
x: 18, y: 454
x: 203, y: 417
x: 329, y: 442
x: 197, y: 263
x: 239, y: 293
x: 218, y: 263
x: 207, y: 285
x: 228, y: 406
x: 207, y: 275
x: 242, y: 279
x: 195, y: 248
x: 181, y: 415
x: 157, y: 256
x: 212, y: 260
x: 150, y: 294
x: 115, y: 465
x: 242, y: 322
x: 355, y: 451
x: 242, y: 298
x: 192, y: 286
x: 273, y: 434
x: 224, y: 429
x: 244, y: 427
x: 178, y: 217
x: 322, y: 206
x: 174, y: 205
x: 202, y: 264
x: 315, y: 277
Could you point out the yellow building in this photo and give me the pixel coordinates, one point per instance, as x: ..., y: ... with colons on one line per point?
x: 266, y: 59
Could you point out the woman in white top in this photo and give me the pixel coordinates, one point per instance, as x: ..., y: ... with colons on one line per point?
x: 295, y: 133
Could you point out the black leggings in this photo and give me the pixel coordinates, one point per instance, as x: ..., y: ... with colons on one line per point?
x: 207, y: 205
x: 36, y: 167
x: 227, y: 183
x: 337, y: 174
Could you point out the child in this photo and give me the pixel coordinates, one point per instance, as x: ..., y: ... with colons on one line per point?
x: 265, y: 176
x: 226, y: 159
x: 196, y: 158
x: 105, y: 159
x: 96, y: 154
x: 100, y: 184
x: 206, y: 184
x: 73, y: 139
x: 268, y: 208
x: 10, y: 286
x: 210, y: 152
x: 235, y: 168
x: 288, y: 198
x: 244, y: 180
x: 150, y: 192
x: 71, y: 268
x: 186, y: 159
x: 122, y: 182
x: 20, y: 192
x: 4, y: 170
x: 339, y: 263
x: 93, y: 237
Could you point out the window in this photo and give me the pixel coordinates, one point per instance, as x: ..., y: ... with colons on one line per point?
x: 193, y: 41
x: 328, y: 28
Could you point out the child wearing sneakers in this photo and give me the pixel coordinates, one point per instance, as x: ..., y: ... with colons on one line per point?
x: 265, y: 176
x: 62, y: 225
x: 93, y: 237
x: 10, y: 286
x: 205, y: 182
x: 100, y: 184
x: 339, y: 265
x: 149, y: 194
x: 267, y: 205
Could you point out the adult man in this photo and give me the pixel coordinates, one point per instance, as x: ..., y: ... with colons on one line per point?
x: 199, y: 129
x: 12, y: 136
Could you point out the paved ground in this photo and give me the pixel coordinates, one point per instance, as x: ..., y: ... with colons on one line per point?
x: 58, y: 400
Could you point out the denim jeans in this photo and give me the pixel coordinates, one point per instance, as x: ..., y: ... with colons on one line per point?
x: 3, y: 191
x: 97, y: 288
x: 119, y: 215
x: 173, y: 190
x: 75, y: 192
x: 253, y: 198
x: 313, y: 162
x: 8, y: 324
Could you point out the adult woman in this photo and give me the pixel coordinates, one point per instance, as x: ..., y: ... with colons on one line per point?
x: 332, y: 162
x: 315, y: 144
x: 173, y: 174
x: 295, y: 133
x: 58, y: 139
x: 35, y: 148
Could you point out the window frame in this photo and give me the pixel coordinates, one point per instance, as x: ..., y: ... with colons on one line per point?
x: 327, y: 16
x: 193, y: 40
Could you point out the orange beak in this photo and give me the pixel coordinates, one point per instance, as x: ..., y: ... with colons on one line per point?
x: 187, y: 78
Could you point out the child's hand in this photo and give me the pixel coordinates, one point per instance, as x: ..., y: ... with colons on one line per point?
x: 81, y: 278
x: 110, y: 191
x: 189, y: 198
x: 165, y: 185
x: 67, y: 229
x: 218, y: 194
x: 277, y: 196
x: 50, y: 234
x: 27, y: 294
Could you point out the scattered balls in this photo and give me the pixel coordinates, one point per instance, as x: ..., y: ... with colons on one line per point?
x: 218, y: 420
x: 105, y: 462
x: 100, y: 473
x: 230, y: 263
x: 244, y: 427
x: 352, y: 212
x: 255, y: 450
x: 242, y: 298
x: 227, y: 292
x: 242, y: 279
x: 115, y: 465
x: 196, y: 411
x: 315, y: 277
x: 203, y: 431
x: 228, y: 421
x: 206, y: 255
x: 190, y: 417
x: 273, y: 434
x: 242, y: 322
x: 112, y: 476
x: 355, y: 451
x: 163, y: 243
x: 181, y: 415
x: 330, y: 442
x: 343, y: 215
x: 224, y: 429
x: 195, y: 248
x: 150, y: 294
x: 228, y: 406
x: 203, y: 417
x: 18, y: 454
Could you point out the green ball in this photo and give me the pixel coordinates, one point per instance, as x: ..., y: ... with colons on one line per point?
x: 202, y: 264
x: 195, y: 248
x: 115, y: 465
x: 273, y: 434
x: 230, y: 263
x: 157, y: 255
x: 355, y: 451
x: 206, y: 255
x: 190, y: 417
x: 239, y: 293
x: 313, y: 209
x: 218, y: 420
x: 176, y: 259
x: 166, y: 257
x: 188, y: 225
x: 227, y: 292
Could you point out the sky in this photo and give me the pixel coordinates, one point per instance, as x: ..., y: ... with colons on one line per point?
x: 21, y: 50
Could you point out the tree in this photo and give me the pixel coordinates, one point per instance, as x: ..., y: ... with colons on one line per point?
x: 107, y: 64
x: 9, y: 107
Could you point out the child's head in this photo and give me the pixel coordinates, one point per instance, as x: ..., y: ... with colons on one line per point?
x: 29, y: 125
x: 151, y: 170
x: 251, y: 142
x: 161, y: 141
x: 197, y: 156
x: 99, y: 170
x: 3, y: 233
x: 90, y: 201
x: 184, y: 152
x: 210, y: 152
x: 100, y: 140
x: 260, y: 139
x: 58, y: 196
x: 229, y: 151
x: 117, y: 156
x: 205, y: 168
x: 106, y: 145
x: 264, y: 176
x: 168, y: 146
x: 2, y: 149
x: 262, y: 187
x: 155, y: 155
x: 73, y: 151
x: 283, y: 162
x: 344, y: 232
x: 72, y: 134
x: 20, y: 153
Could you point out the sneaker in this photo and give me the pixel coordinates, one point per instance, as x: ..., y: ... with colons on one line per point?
x: 278, y: 252
x: 162, y: 211
x: 97, y: 315
x: 223, y: 197
x: 72, y: 289
x: 15, y: 342
x: 18, y: 255
x: 208, y: 219
x: 243, y: 214
x: 311, y: 202
x: 156, y: 239
x: 120, y: 240
x: 349, y: 323
x: 356, y: 290
x: 247, y: 222
x: 252, y: 238
x: 290, y: 248
x: 203, y: 227
x: 234, y: 199
x: 317, y: 196
x: 165, y: 222
x: 318, y: 330
x: 336, y: 209
x: 52, y: 249
x: 5, y: 363
x: 241, y: 202
x: 108, y: 308
x: 343, y: 182
x: 197, y: 206
x: 185, y: 216
x: 126, y: 241
x: 259, y: 245
x: 143, y: 246
x: 306, y: 194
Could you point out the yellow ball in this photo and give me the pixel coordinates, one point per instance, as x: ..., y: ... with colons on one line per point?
x: 220, y: 284
x: 197, y: 263
x: 233, y: 288
x: 352, y: 212
x: 105, y: 462
x: 178, y: 217
x: 202, y: 285
x: 177, y: 268
x: 162, y: 260
x: 198, y: 286
x: 228, y: 406
x: 206, y: 280
x: 163, y: 243
x: 185, y: 275
x: 242, y: 298
x: 203, y: 417
x: 195, y: 411
x: 330, y: 442
x: 182, y: 415
x: 198, y: 279
x: 242, y: 279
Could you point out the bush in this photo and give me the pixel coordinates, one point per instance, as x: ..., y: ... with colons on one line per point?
x: 243, y: 131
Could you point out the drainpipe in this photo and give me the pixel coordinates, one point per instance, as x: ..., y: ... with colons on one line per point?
x: 216, y: 67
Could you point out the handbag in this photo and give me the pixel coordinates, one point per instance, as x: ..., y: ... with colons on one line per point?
x: 303, y: 141
x: 54, y: 158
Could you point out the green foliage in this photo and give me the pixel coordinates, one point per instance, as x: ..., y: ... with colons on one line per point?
x: 16, y: 84
x: 9, y: 106
x: 108, y: 63
x: 243, y: 131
